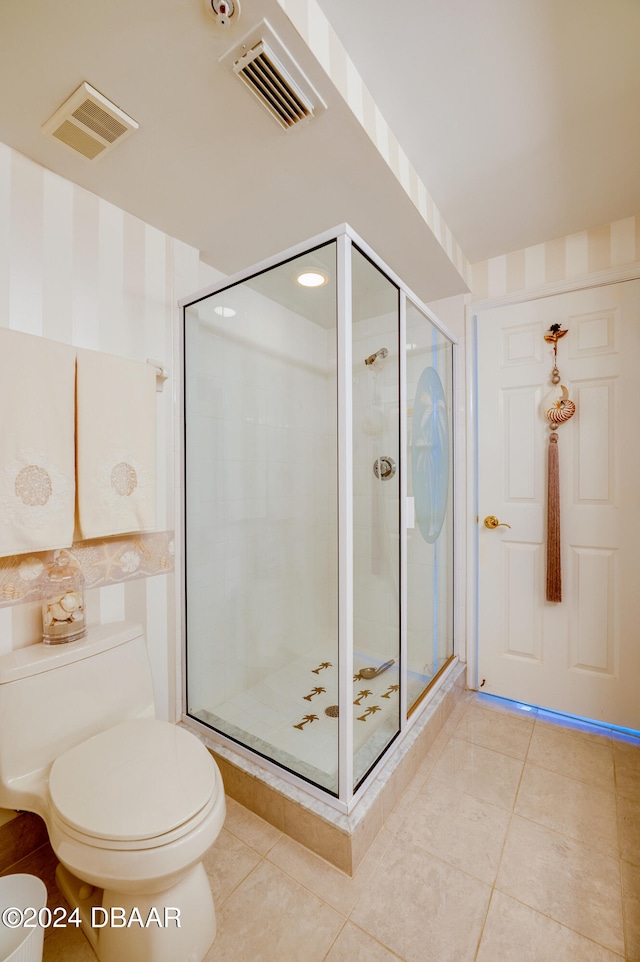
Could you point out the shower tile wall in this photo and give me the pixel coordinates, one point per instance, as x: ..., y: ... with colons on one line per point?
x: 375, y: 502
x: 262, y: 551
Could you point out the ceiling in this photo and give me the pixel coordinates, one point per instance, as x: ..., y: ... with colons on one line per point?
x: 520, y: 118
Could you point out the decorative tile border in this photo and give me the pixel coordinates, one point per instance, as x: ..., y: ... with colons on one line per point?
x: 103, y: 562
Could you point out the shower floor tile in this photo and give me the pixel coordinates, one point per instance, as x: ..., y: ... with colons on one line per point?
x: 283, y: 716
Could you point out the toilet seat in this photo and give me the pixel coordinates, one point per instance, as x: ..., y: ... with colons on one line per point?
x: 143, y: 783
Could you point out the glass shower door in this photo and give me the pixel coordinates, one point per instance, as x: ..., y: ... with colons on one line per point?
x: 261, y: 515
x: 429, y: 459
x: 376, y: 513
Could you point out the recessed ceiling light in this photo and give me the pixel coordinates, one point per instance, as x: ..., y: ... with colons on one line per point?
x: 224, y: 311
x: 312, y: 278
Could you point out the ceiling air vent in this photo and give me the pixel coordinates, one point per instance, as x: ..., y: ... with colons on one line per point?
x: 89, y: 123
x: 267, y: 68
x: 272, y: 84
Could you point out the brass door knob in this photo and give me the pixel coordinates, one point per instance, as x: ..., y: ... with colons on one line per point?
x: 492, y: 522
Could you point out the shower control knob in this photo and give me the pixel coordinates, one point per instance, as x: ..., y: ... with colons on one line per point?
x: 384, y: 468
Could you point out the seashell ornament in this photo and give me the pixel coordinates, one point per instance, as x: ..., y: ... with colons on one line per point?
x: 62, y: 601
x: 562, y: 409
x: 557, y: 410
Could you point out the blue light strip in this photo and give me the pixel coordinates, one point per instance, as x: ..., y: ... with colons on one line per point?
x: 579, y: 722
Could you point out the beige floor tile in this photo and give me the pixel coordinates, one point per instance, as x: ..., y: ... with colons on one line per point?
x: 250, y: 828
x: 577, y: 755
x: 67, y: 945
x: 421, y: 908
x: 488, y: 775
x: 583, y: 811
x: 270, y: 918
x: 453, y: 719
x: 18, y: 837
x: 440, y: 742
x: 326, y: 881
x: 516, y: 933
x: 464, y: 831
x: 564, y: 879
x: 64, y: 944
x: 631, y: 904
x: 227, y: 863
x: 626, y: 756
x: 574, y: 726
x: 399, y: 812
x: 427, y: 764
x: 503, y: 732
x: 396, y: 791
x: 502, y: 706
x: 629, y: 828
x: 354, y: 945
x: 430, y: 759
x: 43, y: 863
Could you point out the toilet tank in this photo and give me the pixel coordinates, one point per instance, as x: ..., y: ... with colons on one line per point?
x: 53, y: 697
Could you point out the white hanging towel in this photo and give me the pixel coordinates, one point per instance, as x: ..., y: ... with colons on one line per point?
x: 37, y: 451
x: 116, y: 445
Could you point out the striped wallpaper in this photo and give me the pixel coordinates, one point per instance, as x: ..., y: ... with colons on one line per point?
x: 76, y: 269
x: 576, y: 256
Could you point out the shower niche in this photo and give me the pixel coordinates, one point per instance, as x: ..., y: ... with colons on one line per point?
x: 318, y: 555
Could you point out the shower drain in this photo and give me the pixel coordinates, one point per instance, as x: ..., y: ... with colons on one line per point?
x: 331, y: 711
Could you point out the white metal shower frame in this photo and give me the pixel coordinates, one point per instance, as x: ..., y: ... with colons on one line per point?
x: 345, y: 237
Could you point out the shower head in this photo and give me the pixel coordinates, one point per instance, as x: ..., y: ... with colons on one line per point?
x: 374, y: 357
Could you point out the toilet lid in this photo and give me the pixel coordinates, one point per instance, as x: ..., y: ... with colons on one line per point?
x: 140, y: 779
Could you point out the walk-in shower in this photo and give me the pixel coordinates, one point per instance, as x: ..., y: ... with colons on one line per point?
x: 318, y: 561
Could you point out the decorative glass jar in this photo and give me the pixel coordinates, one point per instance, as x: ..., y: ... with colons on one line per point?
x: 62, y: 594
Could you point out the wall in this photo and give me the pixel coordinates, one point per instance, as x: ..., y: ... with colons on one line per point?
x: 76, y: 269
x: 376, y: 590
x: 562, y: 260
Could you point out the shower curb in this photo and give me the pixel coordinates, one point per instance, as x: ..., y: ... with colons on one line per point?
x: 343, y: 840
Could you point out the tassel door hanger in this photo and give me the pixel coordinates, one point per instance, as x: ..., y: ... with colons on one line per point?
x: 557, y: 409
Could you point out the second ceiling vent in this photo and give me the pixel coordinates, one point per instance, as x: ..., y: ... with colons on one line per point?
x: 273, y: 76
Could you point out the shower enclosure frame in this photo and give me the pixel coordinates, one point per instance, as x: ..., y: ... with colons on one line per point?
x: 344, y: 237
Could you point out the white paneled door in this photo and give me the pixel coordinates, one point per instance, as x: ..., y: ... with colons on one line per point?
x: 581, y: 655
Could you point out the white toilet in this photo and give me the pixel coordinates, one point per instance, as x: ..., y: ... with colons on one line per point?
x: 131, y: 803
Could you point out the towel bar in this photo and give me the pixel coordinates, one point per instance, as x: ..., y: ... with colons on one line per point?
x: 162, y: 372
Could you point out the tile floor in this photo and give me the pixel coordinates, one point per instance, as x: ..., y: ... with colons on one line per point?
x: 517, y: 841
